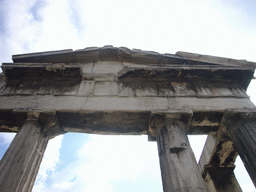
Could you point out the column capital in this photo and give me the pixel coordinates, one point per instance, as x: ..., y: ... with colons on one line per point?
x: 159, y: 117
x: 233, y: 117
x: 46, y: 119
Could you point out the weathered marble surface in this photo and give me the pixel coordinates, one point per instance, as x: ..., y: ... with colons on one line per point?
x: 178, y: 165
x: 20, y: 163
x: 112, y: 90
x: 216, y: 164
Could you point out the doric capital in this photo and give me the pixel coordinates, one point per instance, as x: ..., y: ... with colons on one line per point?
x: 50, y: 124
x: 46, y: 119
x: 233, y: 117
x: 160, y: 117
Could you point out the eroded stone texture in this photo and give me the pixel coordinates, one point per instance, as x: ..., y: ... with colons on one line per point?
x: 178, y: 164
x: 111, y: 90
x: 20, y: 164
x: 221, y: 179
x: 244, y: 139
x: 216, y: 164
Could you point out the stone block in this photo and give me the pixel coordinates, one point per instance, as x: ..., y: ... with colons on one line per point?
x: 171, y: 59
x: 58, y: 58
x: 9, y: 88
x: 106, y: 88
x: 62, y: 56
x: 86, y: 68
x: 108, y: 52
x: 107, y: 67
x: 125, y: 103
x: 202, y: 104
x: 134, y: 65
x: 165, y: 89
x: 64, y: 103
x: 125, y: 90
x: 199, y: 57
x: 2, y: 86
x: 184, y: 89
x: 100, y: 76
x: 67, y: 88
x: 28, y: 87
x: 139, y: 56
x: 21, y: 102
x: 124, y: 54
x: 203, y: 89
x: 47, y: 102
x: 86, y: 88
x: 146, y: 89
x: 87, y: 55
x: 213, y: 89
x: 238, y: 91
x: 222, y: 89
x: 48, y: 87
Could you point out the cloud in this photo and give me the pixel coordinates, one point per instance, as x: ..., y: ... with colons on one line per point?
x: 206, y: 27
x: 37, y: 25
x: 49, y: 163
x: 241, y: 11
x: 6, y: 138
x: 19, y: 28
x: 58, y: 30
x: 195, y: 26
x: 107, y: 159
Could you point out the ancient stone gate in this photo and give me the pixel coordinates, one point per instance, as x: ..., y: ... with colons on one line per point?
x: 113, y: 90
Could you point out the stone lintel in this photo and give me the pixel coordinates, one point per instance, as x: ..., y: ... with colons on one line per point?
x: 80, y: 113
x: 110, y: 122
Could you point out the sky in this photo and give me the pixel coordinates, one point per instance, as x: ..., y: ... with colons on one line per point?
x: 82, y: 162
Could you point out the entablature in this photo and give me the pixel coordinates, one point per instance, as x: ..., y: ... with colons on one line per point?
x: 93, y: 86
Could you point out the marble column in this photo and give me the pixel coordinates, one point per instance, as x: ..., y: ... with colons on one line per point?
x: 244, y: 138
x: 179, y: 169
x: 240, y: 126
x: 20, y: 164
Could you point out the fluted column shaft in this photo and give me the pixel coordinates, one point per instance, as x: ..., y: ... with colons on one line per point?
x: 20, y: 164
x: 244, y: 138
x: 179, y: 170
